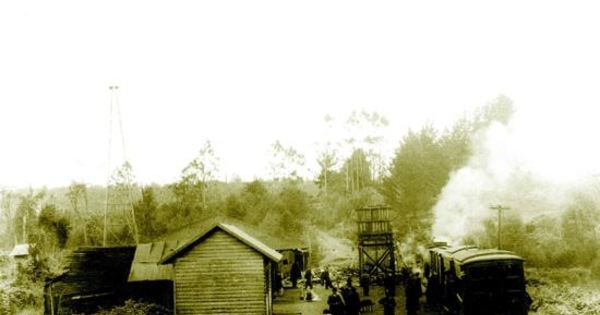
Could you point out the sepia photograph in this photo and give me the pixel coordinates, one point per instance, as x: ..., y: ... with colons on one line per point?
x: 299, y: 157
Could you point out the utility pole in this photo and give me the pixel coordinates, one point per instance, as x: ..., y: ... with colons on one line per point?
x: 500, y: 209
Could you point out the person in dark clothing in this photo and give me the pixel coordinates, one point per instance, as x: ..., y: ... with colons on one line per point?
x: 389, y: 303
x: 308, y: 279
x: 296, y: 273
x: 309, y: 295
x: 389, y: 282
x: 278, y: 285
x: 365, y: 283
x: 336, y: 303
x: 347, y: 289
x: 413, y: 294
x: 353, y: 302
x: 327, y: 279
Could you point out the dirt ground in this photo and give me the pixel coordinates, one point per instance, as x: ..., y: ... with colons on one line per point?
x: 291, y: 304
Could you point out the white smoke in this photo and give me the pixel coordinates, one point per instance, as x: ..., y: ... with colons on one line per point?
x: 530, y: 165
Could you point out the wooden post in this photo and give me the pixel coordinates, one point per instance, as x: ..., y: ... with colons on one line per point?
x: 500, y: 209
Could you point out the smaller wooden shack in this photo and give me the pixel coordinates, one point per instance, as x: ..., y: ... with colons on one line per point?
x: 95, y: 278
x: 20, y: 252
x: 223, y: 271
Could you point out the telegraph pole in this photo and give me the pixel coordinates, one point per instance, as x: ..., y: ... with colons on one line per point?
x: 500, y: 209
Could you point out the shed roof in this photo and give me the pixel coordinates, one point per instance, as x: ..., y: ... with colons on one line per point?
x: 19, y: 250
x: 233, y: 231
x: 145, y: 265
x: 267, y: 237
x: 95, y: 270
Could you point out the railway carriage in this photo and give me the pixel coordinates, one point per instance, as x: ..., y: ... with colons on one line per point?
x: 472, y: 281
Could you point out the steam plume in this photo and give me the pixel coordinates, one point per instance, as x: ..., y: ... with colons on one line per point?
x: 530, y: 165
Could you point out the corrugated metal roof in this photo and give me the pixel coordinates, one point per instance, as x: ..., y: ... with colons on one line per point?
x: 150, y: 272
x: 235, y: 232
x: 154, y: 252
x: 20, y: 250
x: 145, y: 266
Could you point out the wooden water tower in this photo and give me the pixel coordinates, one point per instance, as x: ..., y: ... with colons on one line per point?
x: 375, y: 240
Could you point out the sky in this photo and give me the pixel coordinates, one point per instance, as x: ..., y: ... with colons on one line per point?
x: 244, y: 74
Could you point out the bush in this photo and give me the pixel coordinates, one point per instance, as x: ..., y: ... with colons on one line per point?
x: 132, y: 307
x: 15, y: 299
x: 559, y: 276
x: 563, y: 291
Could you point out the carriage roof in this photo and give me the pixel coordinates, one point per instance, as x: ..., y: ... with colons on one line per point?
x: 478, y: 255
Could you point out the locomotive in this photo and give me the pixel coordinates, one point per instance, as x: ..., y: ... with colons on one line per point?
x: 472, y: 281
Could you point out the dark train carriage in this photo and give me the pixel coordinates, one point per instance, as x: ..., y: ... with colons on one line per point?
x: 471, y: 281
x: 438, y: 264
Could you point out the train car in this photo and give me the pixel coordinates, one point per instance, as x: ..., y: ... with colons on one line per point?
x: 472, y: 281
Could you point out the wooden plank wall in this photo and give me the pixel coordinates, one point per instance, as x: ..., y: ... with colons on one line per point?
x: 220, y: 275
x: 97, y: 275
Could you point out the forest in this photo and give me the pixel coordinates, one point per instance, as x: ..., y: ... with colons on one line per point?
x: 435, y: 180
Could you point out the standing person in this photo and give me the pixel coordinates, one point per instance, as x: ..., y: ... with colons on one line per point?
x: 389, y: 282
x: 308, y: 276
x: 347, y: 293
x: 336, y: 303
x: 389, y: 303
x: 413, y: 294
x: 278, y: 287
x: 327, y: 278
x: 365, y: 283
x: 308, y: 286
x: 296, y: 273
x: 347, y: 289
x: 353, y: 302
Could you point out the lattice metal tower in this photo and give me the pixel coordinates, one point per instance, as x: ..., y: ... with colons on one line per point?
x: 375, y: 241
x: 119, y: 211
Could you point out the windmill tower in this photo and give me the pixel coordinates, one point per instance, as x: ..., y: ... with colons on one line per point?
x: 119, y: 214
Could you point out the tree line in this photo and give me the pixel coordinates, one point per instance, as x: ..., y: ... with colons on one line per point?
x: 353, y: 173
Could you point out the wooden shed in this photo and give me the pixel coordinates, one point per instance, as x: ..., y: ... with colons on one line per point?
x: 292, y: 249
x: 20, y: 252
x: 222, y: 271
x: 97, y: 277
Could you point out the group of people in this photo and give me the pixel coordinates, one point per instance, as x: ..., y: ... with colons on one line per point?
x: 413, y: 293
x: 346, y: 300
